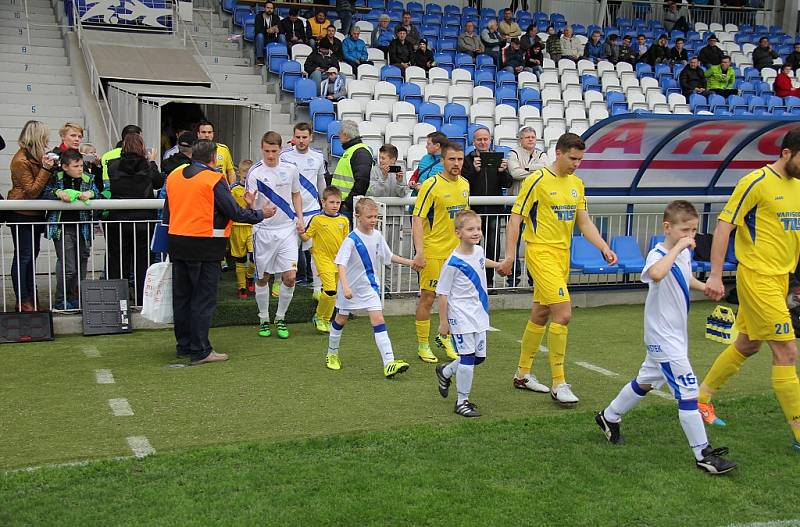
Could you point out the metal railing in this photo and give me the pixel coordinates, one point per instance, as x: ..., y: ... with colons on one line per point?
x: 185, y: 32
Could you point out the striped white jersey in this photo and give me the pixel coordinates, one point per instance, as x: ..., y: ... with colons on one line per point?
x: 312, y: 167
x: 274, y: 185
x: 463, y: 281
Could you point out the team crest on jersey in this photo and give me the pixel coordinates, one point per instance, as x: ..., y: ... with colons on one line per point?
x: 479, y: 347
x: 482, y: 263
x: 574, y: 193
x: 465, y: 194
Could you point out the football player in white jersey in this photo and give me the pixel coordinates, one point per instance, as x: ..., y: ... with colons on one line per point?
x: 464, y: 309
x: 313, y: 168
x: 275, y: 239
x: 362, y: 251
x: 668, y: 273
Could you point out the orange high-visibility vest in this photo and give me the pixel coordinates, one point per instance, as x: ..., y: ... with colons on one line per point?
x: 191, y: 205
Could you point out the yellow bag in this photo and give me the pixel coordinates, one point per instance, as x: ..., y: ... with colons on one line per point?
x: 719, y: 325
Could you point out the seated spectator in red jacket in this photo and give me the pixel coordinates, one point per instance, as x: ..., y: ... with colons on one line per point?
x: 783, y: 83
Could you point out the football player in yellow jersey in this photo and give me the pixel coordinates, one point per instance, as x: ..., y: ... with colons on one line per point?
x: 440, y: 198
x: 241, y: 239
x: 551, y: 201
x: 205, y: 130
x: 327, y: 230
x: 765, y: 211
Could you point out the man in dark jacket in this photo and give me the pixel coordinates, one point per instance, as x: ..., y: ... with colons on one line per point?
x: 487, y: 181
x: 626, y: 51
x: 183, y: 156
x: 710, y: 55
x: 352, y: 172
x: 320, y: 61
x: 658, y: 52
x: 334, y: 43
x: 763, y: 54
x: 400, y: 49
x: 195, y: 258
x: 267, y: 30
x: 793, y: 58
x: 514, y: 57
x: 692, y: 78
x: 679, y: 54
x: 293, y: 30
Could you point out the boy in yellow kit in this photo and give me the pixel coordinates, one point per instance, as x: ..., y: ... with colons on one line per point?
x: 241, y: 240
x: 328, y: 230
x: 551, y: 201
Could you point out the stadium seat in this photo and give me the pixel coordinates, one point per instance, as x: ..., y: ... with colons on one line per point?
x: 411, y: 93
x: 291, y: 72
x: 349, y: 109
x: 386, y: 92
x: 460, y: 94
x: 322, y: 114
x: 505, y: 135
x: 360, y: 91
x: 455, y: 133
x: 371, y: 135
x: 276, y: 55
x: 505, y: 114
x: 416, y: 75
x: 405, y: 113
x: 482, y: 113
x: 456, y: 113
x: 462, y: 77
x: 368, y: 73
x: 629, y: 255
x: 419, y: 134
x: 304, y: 91
x: 588, y: 259
x: 378, y: 113
x: 438, y: 75
x: 415, y: 153
x: 399, y: 135
x: 431, y: 113
x: 437, y: 94
x: 392, y: 74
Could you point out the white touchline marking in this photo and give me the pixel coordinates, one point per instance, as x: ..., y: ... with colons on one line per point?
x: 597, y: 369
x: 140, y: 446
x: 120, y: 407
x: 493, y: 329
x: 104, y: 376
x: 776, y: 523
x: 91, y: 352
x: 81, y: 463
x: 542, y: 347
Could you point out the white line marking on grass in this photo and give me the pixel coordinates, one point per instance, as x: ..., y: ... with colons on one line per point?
x: 120, y: 407
x: 493, y: 329
x: 663, y: 395
x: 104, y: 376
x: 597, y: 369
x: 68, y: 464
x: 91, y: 352
x: 542, y: 347
x: 776, y: 523
x: 140, y: 446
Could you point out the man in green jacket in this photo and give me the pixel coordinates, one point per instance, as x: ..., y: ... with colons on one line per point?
x: 721, y: 78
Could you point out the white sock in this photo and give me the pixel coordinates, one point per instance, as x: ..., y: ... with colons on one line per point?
x: 694, y: 429
x: 451, y: 368
x: 262, y: 301
x: 334, y: 337
x: 284, y: 299
x: 316, y: 282
x: 464, y: 380
x: 384, y: 344
x: 629, y: 396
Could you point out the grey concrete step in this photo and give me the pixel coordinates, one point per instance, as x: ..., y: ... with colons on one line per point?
x: 216, y: 44
x: 26, y: 58
x: 54, y: 122
x: 227, y: 61
x: 40, y: 32
x: 227, y: 68
x: 20, y: 67
x: 219, y: 52
x: 36, y: 111
x: 24, y: 49
x: 41, y: 78
x: 38, y: 89
x: 41, y: 99
x: 33, y: 18
x: 235, y: 90
x: 233, y: 78
x: 22, y: 40
x: 20, y: 7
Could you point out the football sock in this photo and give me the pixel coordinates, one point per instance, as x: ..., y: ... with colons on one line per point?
x: 727, y: 364
x: 325, y: 306
x: 384, y: 344
x: 284, y: 299
x: 787, y: 390
x: 262, y: 301
x: 557, y: 341
x: 531, y: 340
x: 250, y: 269
x: 240, y: 275
x: 451, y: 368
x: 693, y: 427
x: 629, y: 396
x: 316, y: 282
x: 466, y: 368
x: 334, y: 337
x: 423, y: 331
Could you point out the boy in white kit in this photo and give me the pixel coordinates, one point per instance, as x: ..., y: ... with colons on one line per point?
x: 464, y: 310
x: 360, y: 254
x: 668, y: 273
x: 275, y: 239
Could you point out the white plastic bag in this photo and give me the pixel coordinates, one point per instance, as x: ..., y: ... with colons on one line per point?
x: 157, y: 303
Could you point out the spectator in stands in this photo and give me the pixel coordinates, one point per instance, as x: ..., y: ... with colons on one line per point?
x: 355, y: 50
x: 469, y: 41
x: 412, y: 34
x: 783, y: 86
x: 626, y: 51
x: 793, y: 58
x: 530, y: 37
x: 423, y: 57
x: 352, y: 172
x: 334, y: 86
x: 692, y: 78
x: 658, y: 53
x: 386, y: 180
x: 710, y: 55
x: 334, y: 43
x: 320, y: 60
x: 514, y: 58
x: 721, y: 79
x: 553, y: 44
x: 679, y: 54
x: 184, y: 155
x: 134, y: 175
x: 345, y: 9
x: 317, y: 27
x: 571, y: 47
x: 71, y: 135
x: 508, y: 26
x: 267, y: 30
x: 91, y: 164
x: 431, y: 163
x: 401, y: 51
x: 611, y: 49
x: 30, y: 172
x: 382, y: 36
x: 675, y: 19
x: 487, y: 181
x: 594, y: 49
x: 205, y: 130
x: 534, y: 58
x: 492, y: 41
x: 763, y: 54
x: 293, y: 30
x: 640, y: 47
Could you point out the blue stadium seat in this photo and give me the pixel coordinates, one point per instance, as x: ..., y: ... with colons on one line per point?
x: 429, y: 31
x: 530, y: 97
x: 449, y: 46
x: 445, y: 60
x: 455, y: 113
x: 433, y: 20
x: 433, y: 9
x: 485, y: 78
x: 450, y: 32
x: 629, y: 256
x: 228, y: 5
x: 698, y: 103
x: 304, y: 91
x: 644, y: 70
x: 411, y: 93
x: 466, y: 62
x: 715, y: 100
x: 276, y: 55
x: 455, y: 133
x: 452, y: 10
x: 507, y: 95
x: 239, y: 13
x: 291, y: 72
x: 615, y: 99
x: 322, y: 114
x: 452, y: 22
x: 249, y: 27
x: 588, y: 259
x: 333, y: 138
x: 776, y: 105
x: 431, y: 113
x: 415, y: 7
x: 505, y: 79
x: 393, y: 75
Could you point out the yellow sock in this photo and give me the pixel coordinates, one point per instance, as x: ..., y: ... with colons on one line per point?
x: 325, y: 307
x: 727, y: 364
x: 423, y: 331
x: 787, y: 390
x: 557, y: 342
x: 240, y: 273
x: 531, y: 340
x: 250, y: 270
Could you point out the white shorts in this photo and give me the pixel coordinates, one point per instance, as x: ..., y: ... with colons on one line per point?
x: 470, y: 343
x: 677, y: 374
x: 366, y: 299
x: 274, y: 251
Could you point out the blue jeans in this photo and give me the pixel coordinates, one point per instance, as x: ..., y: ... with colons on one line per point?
x: 346, y: 18
x: 260, y: 44
x: 316, y: 76
x: 26, y: 237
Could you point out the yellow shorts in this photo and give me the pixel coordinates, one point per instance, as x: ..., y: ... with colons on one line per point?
x: 549, y: 268
x: 429, y: 276
x: 763, y: 314
x: 241, y: 240
x: 327, y: 273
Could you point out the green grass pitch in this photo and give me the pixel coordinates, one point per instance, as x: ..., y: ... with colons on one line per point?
x: 273, y: 438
